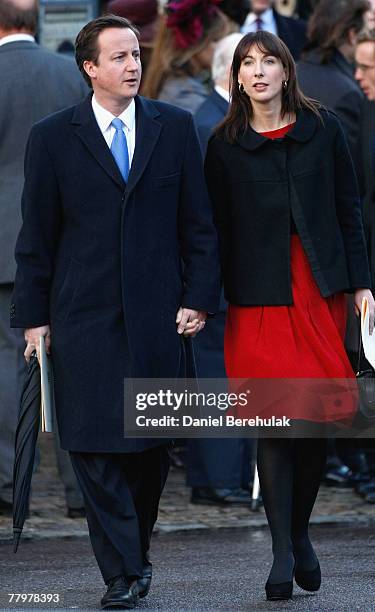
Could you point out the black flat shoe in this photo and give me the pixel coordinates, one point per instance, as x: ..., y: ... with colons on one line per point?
x: 309, y: 580
x: 279, y: 592
x: 6, y: 508
x: 120, y: 594
x: 144, y: 583
x: 75, y: 513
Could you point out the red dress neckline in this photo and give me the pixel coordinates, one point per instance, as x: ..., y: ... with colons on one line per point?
x: 279, y: 133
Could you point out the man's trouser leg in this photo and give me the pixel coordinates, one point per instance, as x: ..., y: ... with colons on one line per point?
x: 115, y: 531
x: 146, y: 481
x: 12, y: 373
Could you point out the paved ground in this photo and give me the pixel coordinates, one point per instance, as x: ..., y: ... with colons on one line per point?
x: 207, y: 570
x: 48, y: 519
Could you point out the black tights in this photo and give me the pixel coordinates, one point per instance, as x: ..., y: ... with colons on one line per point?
x: 290, y: 471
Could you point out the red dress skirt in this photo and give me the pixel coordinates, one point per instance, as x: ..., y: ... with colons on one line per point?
x: 302, y: 341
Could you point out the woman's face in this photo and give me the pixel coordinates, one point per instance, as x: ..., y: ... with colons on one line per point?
x: 262, y: 76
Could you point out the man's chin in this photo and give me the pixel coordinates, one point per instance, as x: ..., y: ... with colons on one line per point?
x: 129, y: 91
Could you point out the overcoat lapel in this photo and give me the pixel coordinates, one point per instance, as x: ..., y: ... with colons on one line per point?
x: 148, y: 131
x: 89, y: 132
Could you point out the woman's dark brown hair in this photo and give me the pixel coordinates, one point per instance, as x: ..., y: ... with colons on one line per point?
x: 241, y: 111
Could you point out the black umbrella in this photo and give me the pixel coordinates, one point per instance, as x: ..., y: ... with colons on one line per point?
x: 26, y: 437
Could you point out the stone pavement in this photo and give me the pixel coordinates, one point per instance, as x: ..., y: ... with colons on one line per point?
x: 48, y: 520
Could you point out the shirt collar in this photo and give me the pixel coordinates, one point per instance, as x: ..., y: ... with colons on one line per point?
x: 222, y: 92
x: 16, y: 38
x: 105, y: 118
x: 266, y: 17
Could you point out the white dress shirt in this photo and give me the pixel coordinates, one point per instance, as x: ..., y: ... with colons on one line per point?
x: 104, y: 119
x: 268, y: 21
x: 15, y: 38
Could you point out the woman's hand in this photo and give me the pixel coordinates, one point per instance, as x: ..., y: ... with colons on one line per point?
x: 358, y: 297
x: 190, y: 322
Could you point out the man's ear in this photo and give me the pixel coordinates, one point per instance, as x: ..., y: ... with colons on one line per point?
x: 90, y: 68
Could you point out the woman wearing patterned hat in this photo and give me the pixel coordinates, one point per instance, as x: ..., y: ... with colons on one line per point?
x: 179, y: 69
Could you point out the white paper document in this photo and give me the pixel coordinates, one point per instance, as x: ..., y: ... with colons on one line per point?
x: 368, y: 341
x: 46, y: 385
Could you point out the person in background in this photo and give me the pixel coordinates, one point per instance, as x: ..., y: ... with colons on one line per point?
x: 365, y: 64
x: 236, y: 10
x: 144, y: 15
x: 370, y: 16
x: 35, y: 83
x: 263, y: 16
x: 218, y: 470
x: 305, y: 8
x: 180, y: 73
x: 326, y: 72
x: 215, y: 107
x: 365, y: 75
x: 285, y: 281
x: 179, y: 69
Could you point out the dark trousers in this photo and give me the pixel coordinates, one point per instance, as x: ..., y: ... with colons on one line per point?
x: 219, y: 463
x: 121, y: 493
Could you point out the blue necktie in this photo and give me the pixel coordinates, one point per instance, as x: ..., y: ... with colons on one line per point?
x: 119, y: 148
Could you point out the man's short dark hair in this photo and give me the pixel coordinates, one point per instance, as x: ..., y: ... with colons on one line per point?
x: 13, y: 17
x: 87, y: 40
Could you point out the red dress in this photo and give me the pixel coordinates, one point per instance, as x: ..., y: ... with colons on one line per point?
x: 304, y: 340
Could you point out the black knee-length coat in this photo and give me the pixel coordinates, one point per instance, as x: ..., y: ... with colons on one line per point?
x: 100, y: 261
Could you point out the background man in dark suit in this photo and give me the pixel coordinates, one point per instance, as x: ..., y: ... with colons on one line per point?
x: 326, y: 71
x: 264, y: 17
x: 34, y: 83
x: 114, y: 198
x: 218, y: 470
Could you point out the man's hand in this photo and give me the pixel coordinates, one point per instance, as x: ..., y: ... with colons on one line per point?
x: 32, y: 337
x: 190, y: 322
x: 358, y: 296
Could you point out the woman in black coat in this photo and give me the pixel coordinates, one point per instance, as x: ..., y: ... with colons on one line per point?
x: 291, y: 239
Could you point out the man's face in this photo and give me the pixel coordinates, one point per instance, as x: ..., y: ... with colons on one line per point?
x: 365, y: 71
x: 258, y: 6
x: 118, y: 71
x: 370, y: 16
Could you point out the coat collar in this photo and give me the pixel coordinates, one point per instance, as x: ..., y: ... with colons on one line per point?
x: 219, y: 101
x: 303, y: 131
x: 342, y: 64
x: 147, y: 134
x: 18, y: 44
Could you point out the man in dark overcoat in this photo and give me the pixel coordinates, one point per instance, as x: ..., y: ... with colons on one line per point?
x: 117, y: 267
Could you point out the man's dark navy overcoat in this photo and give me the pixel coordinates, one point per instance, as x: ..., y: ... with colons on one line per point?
x: 107, y: 265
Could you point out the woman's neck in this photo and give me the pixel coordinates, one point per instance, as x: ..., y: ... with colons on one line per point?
x: 267, y: 118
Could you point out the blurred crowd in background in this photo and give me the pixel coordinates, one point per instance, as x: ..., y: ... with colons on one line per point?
x: 186, y: 51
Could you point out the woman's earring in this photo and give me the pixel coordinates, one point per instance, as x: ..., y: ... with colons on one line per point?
x: 241, y: 88
x: 285, y: 84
